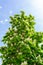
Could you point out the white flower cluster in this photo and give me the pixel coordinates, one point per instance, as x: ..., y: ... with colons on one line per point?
x: 15, y: 28
x: 27, y: 39
x: 40, y: 44
x: 24, y: 63
x: 38, y: 58
x: 20, y: 53
x: 11, y: 38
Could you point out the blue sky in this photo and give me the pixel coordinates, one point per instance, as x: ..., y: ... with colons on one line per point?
x: 11, y: 7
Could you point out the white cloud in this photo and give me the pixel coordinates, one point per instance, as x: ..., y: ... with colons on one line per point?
x: 37, y: 6
x: 0, y: 7
x: 6, y: 20
x: 11, y: 12
x: 0, y: 61
x: 1, y: 21
x: 37, y: 3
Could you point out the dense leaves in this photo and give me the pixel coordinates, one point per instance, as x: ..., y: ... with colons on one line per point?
x: 23, y: 43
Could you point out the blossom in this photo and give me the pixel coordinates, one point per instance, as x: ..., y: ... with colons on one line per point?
x: 24, y: 63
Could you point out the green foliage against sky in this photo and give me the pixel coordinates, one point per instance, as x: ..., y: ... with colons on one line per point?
x: 23, y: 45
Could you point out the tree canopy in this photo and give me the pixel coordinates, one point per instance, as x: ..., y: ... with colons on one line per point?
x: 23, y: 45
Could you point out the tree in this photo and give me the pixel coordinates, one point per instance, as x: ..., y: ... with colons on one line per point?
x: 22, y: 42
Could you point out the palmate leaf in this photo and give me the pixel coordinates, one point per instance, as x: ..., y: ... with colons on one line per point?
x: 22, y: 42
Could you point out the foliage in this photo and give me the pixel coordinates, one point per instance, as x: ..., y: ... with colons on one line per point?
x: 22, y: 42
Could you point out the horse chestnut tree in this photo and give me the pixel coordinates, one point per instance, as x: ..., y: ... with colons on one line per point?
x: 23, y: 45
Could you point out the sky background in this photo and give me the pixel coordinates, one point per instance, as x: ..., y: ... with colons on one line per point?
x: 11, y: 7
